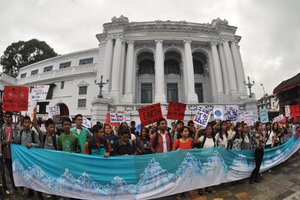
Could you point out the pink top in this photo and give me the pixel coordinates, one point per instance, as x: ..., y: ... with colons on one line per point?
x: 8, y: 137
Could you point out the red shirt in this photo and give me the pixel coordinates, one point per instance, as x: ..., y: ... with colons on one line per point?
x: 183, y: 145
x: 159, y: 148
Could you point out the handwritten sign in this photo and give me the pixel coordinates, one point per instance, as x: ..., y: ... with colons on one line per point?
x: 278, y: 118
x: 263, y: 115
x: 118, y: 116
x: 107, y: 120
x: 202, y: 116
x: 232, y: 112
x: 55, y: 110
x: 176, y: 110
x: 39, y: 92
x: 15, y: 98
x: 150, y: 114
x: 247, y: 117
x: 86, y: 123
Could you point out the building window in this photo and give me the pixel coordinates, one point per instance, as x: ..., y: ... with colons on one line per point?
x: 34, y: 72
x: 171, y: 67
x: 62, y: 85
x: 81, y: 103
x: 86, y: 61
x: 172, y: 92
x: 65, y: 65
x: 48, y: 69
x: 199, y: 92
x: 146, y: 93
x: 23, y: 75
x: 198, y: 67
x: 82, y: 90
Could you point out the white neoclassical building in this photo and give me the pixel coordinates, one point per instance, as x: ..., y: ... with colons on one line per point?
x: 146, y: 62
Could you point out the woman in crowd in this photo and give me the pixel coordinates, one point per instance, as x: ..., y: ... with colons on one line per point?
x: 269, y: 135
x: 184, y: 142
x: 145, y: 139
x: 236, y: 142
x: 246, y: 138
x: 109, y: 134
x: 276, y: 135
x: 222, y: 136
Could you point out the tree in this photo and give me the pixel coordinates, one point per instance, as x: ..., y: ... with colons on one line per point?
x: 20, y: 54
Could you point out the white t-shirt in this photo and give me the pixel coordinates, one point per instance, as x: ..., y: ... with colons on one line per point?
x: 220, y: 142
x: 209, y: 142
x: 164, y: 142
x: 269, y: 141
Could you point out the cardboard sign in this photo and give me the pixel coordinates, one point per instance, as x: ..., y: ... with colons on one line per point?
x: 278, y: 118
x: 39, y: 92
x: 247, y: 117
x: 287, y: 111
x: 86, y: 123
x: 294, y: 111
x: 232, y: 112
x: 118, y: 116
x: 107, y: 120
x: 176, y: 110
x: 150, y: 114
x: 202, y: 116
x: 55, y: 110
x: 15, y: 98
x: 218, y: 112
x: 263, y: 115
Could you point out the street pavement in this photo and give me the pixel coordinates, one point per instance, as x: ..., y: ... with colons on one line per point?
x: 280, y: 183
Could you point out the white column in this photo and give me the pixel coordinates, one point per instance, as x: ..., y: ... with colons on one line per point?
x: 224, y: 70
x: 107, y: 65
x: 230, y: 68
x: 115, y: 80
x: 213, y: 84
x: 122, y: 70
x: 159, y: 73
x: 217, y: 68
x: 191, y: 95
x: 128, y: 96
x: 239, y: 68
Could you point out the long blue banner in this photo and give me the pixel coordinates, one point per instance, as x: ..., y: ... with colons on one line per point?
x: 137, y: 177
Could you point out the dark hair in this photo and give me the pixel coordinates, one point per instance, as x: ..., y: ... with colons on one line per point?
x: 160, y: 120
x: 210, y: 124
x: 221, y: 130
x: 123, y: 131
x: 182, y: 129
x: 147, y: 132
x: 237, y: 126
x: 27, y: 118
x: 96, y: 128
x: 48, y: 122
x: 275, y: 130
x: 132, y: 123
x: 179, y: 122
x: 66, y: 119
x: 267, y: 124
x: 190, y: 122
x: 8, y: 113
x: 257, y: 125
x: 78, y: 115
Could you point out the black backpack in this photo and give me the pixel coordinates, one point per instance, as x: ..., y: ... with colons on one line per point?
x: 32, y: 136
x: 53, y: 140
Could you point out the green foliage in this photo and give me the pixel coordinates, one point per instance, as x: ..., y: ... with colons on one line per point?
x: 20, y: 54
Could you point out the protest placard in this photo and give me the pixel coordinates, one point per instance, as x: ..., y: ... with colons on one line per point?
x: 247, y: 117
x: 15, y: 98
x: 86, y: 123
x: 263, y: 114
x: 232, y: 112
x: 218, y: 112
x: 117, y: 116
x: 54, y: 110
x: 107, y: 120
x: 39, y: 92
x: 202, y: 116
x: 176, y: 110
x: 294, y: 111
x: 150, y: 114
x: 287, y: 110
x: 278, y: 118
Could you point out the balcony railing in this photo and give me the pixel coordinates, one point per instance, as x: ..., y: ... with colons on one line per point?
x: 65, y: 72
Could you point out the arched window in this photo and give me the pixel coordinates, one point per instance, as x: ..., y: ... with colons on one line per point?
x: 199, y: 62
x: 172, y: 62
x: 145, y: 63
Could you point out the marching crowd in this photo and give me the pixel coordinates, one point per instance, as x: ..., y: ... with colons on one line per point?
x: 105, y: 140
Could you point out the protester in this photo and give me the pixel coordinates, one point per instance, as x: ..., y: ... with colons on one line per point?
x: 269, y: 135
x: 98, y: 145
x: 246, y: 138
x: 192, y: 129
x: 7, y: 133
x: 145, y: 139
x: 175, y: 130
x: 258, y: 145
x: 67, y: 141
x: 161, y: 141
x: 207, y: 139
x: 222, y: 136
x: 276, y: 135
x: 28, y: 138
x: 184, y: 142
x: 124, y: 147
x: 81, y: 132
x: 109, y: 135
x: 236, y: 142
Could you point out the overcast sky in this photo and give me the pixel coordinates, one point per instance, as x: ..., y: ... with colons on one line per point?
x: 270, y: 29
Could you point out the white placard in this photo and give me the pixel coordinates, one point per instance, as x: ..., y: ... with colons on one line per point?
x: 39, y: 92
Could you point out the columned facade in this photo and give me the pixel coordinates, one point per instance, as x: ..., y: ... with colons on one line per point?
x: 162, y: 65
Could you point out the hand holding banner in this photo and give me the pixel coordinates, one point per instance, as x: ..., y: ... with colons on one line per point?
x: 176, y: 110
x: 15, y: 98
x: 150, y: 114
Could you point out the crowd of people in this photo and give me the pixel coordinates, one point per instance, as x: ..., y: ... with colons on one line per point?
x: 123, y: 140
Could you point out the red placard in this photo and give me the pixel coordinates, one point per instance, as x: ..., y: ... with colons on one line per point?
x: 150, y: 114
x: 107, y: 121
x: 294, y: 111
x: 176, y: 110
x: 15, y: 98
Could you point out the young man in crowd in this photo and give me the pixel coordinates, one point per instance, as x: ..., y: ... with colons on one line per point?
x: 7, y: 133
x: 81, y: 132
x: 161, y: 141
x: 28, y: 138
x: 67, y: 141
x: 124, y: 146
x: 174, y: 131
x: 98, y: 145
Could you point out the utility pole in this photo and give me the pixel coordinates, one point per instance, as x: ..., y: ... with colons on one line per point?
x: 249, y: 85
